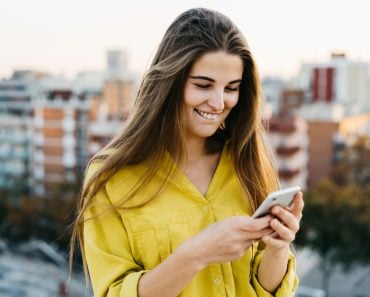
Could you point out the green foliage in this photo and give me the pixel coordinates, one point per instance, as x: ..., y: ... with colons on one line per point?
x: 354, y: 164
x: 336, y: 221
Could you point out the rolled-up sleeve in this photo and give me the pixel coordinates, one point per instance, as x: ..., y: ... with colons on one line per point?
x: 288, y: 285
x: 112, y: 269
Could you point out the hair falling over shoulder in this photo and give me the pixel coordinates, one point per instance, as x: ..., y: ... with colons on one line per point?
x: 155, y: 123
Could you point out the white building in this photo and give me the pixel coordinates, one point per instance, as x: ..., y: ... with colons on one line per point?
x: 16, y: 96
x: 338, y: 81
x: 272, y: 88
x: 287, y: 136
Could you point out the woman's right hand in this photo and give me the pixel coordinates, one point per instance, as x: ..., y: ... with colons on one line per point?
x: 226, y: 240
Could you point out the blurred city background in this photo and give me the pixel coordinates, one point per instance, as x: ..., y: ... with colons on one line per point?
x: 69, y: 73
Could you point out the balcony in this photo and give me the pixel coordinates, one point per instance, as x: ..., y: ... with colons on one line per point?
x: 287, y: 151
x: 288, y: 173
x: 282, y: 125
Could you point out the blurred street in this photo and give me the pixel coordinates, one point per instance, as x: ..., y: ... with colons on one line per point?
x: 354, y: 283
x: 36, y: 270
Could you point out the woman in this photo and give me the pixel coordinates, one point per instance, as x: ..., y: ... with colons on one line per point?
x: 166, y: 207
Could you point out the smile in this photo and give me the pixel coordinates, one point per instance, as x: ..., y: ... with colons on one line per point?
x: 208, y: 116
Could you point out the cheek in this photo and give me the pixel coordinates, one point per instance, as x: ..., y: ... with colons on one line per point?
x: 190, y: 102
x: 231, y: 101
x: 192, y: 97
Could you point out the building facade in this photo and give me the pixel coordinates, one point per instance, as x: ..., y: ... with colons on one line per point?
x: 287, y: 136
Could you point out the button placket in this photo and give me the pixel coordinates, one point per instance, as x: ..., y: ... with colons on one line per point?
x: 217, y: 281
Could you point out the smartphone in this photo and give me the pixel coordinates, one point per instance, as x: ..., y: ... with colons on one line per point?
x: 282, y: 197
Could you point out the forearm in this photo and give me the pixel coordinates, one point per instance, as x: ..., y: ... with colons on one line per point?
x: 273, y: 268
x: 171, y: 276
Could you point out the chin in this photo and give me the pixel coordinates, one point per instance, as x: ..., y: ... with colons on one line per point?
x: 206, y: 134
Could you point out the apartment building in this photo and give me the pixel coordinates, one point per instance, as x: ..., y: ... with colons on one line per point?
x: 272, y: 89
x: 335, y: 107
x: 287, y: 136
x: 50, y: 126
x: 16, y: 95
x: 288, y: 139
x: 338, y: 81
x: 60, y: 139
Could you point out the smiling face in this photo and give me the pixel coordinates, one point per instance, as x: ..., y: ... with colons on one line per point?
x: 211, y: 91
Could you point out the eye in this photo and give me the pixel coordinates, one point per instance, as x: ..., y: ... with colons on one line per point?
x: 230, y: 89
x: 201, y: 86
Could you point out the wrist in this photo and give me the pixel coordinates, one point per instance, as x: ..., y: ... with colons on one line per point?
x: 276, y: 252
x: 190, y: 258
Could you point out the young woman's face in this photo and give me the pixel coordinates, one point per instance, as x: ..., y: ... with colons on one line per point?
x: 211, y: 91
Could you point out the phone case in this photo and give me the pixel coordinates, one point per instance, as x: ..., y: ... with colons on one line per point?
x: 281, y: 197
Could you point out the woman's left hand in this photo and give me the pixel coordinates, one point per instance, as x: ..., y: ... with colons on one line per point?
x: 285, y: 224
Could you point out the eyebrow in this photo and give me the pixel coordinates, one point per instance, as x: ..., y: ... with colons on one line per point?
x: 212, y: 80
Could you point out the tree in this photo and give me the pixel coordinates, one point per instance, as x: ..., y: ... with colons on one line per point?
x: 336, y: 221
x: 353, y: 166
x: 46, y: 218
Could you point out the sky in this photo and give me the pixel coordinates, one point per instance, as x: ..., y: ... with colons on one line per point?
x: 69, y: 36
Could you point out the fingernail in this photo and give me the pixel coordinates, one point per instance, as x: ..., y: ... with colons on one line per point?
x: 274, y: 222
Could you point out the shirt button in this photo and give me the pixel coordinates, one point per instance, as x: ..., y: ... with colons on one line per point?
x: 217, y: 281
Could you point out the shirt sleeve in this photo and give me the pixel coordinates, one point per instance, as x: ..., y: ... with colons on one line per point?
x: 288, y: 285
x: 112, y: 269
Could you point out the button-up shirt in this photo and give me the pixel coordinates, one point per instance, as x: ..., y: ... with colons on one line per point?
x: 122, y: 244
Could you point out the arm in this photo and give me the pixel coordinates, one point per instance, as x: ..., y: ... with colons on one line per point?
x: 171, y: 276
x: 111, y: 267
x: 273, y: 266
x: 220, y: 242
x: 114, y: 272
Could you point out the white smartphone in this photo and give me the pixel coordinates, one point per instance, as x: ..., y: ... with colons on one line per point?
x: 282, y: 197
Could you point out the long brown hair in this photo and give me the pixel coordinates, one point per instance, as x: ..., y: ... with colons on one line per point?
x: 155, y: 124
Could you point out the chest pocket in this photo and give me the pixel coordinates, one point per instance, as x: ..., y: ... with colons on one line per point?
x: 156, y: 236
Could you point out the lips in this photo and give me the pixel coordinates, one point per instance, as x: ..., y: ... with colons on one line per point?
x: 207, y: 115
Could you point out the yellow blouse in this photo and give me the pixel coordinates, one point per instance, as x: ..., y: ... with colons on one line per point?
x: 120, y: 247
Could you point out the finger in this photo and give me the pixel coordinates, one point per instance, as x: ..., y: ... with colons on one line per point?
x: 259, y: 234
x: 287, y: 218
x: 248, y: 243
x: 258, y: 224
x: 282, y: 231
x: 297, y: 205
x: 274, y: 242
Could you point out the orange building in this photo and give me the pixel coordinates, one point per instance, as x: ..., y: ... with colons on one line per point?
x: 60, y: 140
x: 321, y: 152
x: 118, y: 94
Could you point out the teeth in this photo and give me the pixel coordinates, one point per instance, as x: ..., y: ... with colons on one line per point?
x: 208, y: 116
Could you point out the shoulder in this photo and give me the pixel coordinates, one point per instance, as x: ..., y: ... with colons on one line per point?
x: 120, y: 179
x: 96, y: 162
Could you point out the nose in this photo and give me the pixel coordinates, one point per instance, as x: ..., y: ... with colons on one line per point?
x: 217, y: 101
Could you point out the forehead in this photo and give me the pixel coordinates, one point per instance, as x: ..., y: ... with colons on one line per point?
x: 218, y: 66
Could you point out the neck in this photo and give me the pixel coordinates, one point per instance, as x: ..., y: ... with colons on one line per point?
x: 195, y: 148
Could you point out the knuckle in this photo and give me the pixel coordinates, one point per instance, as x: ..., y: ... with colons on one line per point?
x: 292, y: 238
x: 236, y: 222
x: 253, y: 227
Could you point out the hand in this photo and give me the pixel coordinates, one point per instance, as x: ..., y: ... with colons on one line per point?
x: 285, y: 224
x: 227, y: 240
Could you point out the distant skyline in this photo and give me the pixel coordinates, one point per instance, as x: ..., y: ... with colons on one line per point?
x: 67, y: 37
